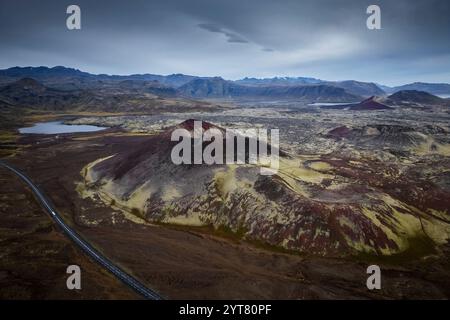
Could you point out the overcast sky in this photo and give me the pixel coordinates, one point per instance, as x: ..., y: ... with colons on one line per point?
x: 326, y: 39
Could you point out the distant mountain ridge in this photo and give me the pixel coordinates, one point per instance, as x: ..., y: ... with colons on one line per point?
x: 46, y: 74
x: 433, y: 88
x: 42, y: 72
x: 365, y: 89
x: 69, y: 79
x: 220, y: 88
x: 29, y: 92
x: 416, y: 97
x: 303, y: 88
x: 120, y: 96
x: 278, y: 81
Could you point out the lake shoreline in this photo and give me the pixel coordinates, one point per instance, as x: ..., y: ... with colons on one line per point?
x: 58, y: 127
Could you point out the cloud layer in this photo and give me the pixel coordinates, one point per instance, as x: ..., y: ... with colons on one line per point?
x: 260, y: 38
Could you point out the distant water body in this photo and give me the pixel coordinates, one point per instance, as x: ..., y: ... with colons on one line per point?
x: 55, y: 127
x: 325, y: 104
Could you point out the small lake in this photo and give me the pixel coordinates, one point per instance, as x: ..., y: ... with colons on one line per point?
x: 55, y: 127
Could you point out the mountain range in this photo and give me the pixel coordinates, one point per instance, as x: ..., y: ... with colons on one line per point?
x: 60, y: 88
x: 415, y: 96
x: 220, y: 88
x: 69, y: 79
x: 126, y: 96
x: 433, y: 88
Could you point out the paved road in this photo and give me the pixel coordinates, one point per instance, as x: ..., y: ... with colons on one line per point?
x: 83, y: 244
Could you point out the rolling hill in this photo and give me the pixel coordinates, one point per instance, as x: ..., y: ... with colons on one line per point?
x: 433, y: 88
x: 416, y: 97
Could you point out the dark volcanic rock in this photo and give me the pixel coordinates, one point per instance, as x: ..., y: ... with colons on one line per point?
x: 418, y: 97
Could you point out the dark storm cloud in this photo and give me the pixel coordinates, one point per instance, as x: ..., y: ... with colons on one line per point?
x: 231, y: 37
x: 234, y: 38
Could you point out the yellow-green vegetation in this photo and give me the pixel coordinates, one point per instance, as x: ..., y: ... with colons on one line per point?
x: 7, y: 136
x: 401, y: 223
x: 432, y: 147
x: 398, y: 228
x: 320, y: 166
x: 294, y: 173
x: 298, y: 170
x: 8, y: 143
x: 86, y: 171
x: 170, y: 193
x: 225, y: 181
x: 191, y: 219
x: 419, y: 246
x: 86, y: 190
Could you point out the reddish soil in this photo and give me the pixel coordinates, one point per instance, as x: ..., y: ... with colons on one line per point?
x: 188, y: 263
x: 35, y: 253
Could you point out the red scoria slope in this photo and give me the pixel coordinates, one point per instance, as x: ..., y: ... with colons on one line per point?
x: 324, y: 206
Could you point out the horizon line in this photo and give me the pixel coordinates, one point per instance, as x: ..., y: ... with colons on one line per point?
x: 216, y: 76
